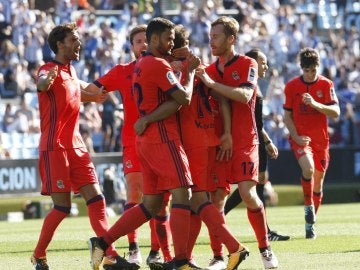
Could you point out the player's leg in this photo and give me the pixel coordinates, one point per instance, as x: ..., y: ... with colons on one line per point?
x: 218, y: 198
x: 244, y: 170
x: 61, y: 209
x: 216, y: 225
x: 272, y: 235
x: 53, y: 165
x: 257, y: 218
x: 321, y: 161
x: 306, y: 163
x: 133, y: 197
x: 180, y: 224
x: 318, y: 188
x: 130, y: 220
x: 162, y: 229
x: 232, y: 201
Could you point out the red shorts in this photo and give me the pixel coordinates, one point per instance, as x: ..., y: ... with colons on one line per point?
x: 131, y: 161
x: 65, y: 170
x: 219, y: 176
x: 201, y: 160
x: 164, y: 166
x: 245, y: 164
x: 321, y: 157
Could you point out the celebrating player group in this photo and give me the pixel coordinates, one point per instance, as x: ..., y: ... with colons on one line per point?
x: 191, y: 130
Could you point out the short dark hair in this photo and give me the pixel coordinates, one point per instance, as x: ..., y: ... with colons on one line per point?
x: 253, y: 53
x: 181, y: 36
x: 309, y: 57
x: 58, y: 33
x: 157, y: 26
x: 137, y: 29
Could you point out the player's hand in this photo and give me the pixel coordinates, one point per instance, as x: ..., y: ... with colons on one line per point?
x: 225, y: 149
x: 140, y: 125
x: 180, y: 53
x: 193, y: 62
x: 101, y: 95
x: 272, y: 150
x: 302, y: 140
x: 51, y: 76
x: 307, y: 99
x: 201, y: 73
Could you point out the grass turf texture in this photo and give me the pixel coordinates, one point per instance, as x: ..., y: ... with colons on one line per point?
x: 337, y: 245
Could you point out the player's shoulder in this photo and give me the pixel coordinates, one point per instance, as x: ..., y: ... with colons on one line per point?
x: 245, y: 59
x: 152, y: 63
x: 294, y: 81
x: 324, y: 80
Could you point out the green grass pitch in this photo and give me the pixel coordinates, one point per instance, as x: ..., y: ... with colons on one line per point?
x: 337, y: 246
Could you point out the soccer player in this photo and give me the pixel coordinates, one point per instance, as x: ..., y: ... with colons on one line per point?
x: 200, y: 142
x: 235, y: 77
x: 266, y: 147
x: 64, y: 162
x: 310, y: 98
x: 120, y: 78
x: 163, y: 160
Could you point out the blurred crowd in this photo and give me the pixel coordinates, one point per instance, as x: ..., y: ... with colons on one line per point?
x: 279, y: 28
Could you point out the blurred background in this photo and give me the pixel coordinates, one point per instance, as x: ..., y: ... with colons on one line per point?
x: 278, y: 27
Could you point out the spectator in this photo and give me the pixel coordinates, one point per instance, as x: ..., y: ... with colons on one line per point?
x: 11, y: 87
x: 8, y: 117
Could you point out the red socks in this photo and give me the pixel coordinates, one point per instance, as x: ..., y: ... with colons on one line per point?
x: 317, y: 197
x: 257, y: 220
x: 308, y: 187
x: 216, y: 224
x: 180, y: 228
x: 51, y: 222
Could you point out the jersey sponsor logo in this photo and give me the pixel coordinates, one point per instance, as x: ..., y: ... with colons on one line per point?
x: 128, y: 164
x: 171, y: 77
x: 60, y: 184
x: 319, y: 93
x: 235, y: 75
x: 252, y: 75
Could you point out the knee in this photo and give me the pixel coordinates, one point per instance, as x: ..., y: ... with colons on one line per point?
x: 308, y: 172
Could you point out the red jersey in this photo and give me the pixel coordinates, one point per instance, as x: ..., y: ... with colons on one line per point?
x: 308, y: 121
x: 153, y: 82
x: 240, y: 71
x: 59, y: 109
x: 120, y: 78
x: 197, y: 120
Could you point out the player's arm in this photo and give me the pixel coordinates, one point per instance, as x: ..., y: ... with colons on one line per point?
x: 290, y: 125
x: 183, y: 97
x: 46, y: 80
x: 226, y: 143
x: 332, y: 110
x: 270, y: 147
x: 241, y: 94
x: 92, y: 93
x: 166, y: 109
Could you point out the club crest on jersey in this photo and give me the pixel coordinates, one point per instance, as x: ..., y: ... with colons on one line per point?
x: 235, y: 75
x: 171, y: 77
x: 60, y: 184
x: 252, y: 75
x: 319, y: 93
x: 128, y: 164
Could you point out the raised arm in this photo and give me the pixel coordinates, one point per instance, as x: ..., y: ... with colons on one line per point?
x: 241, y: 94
